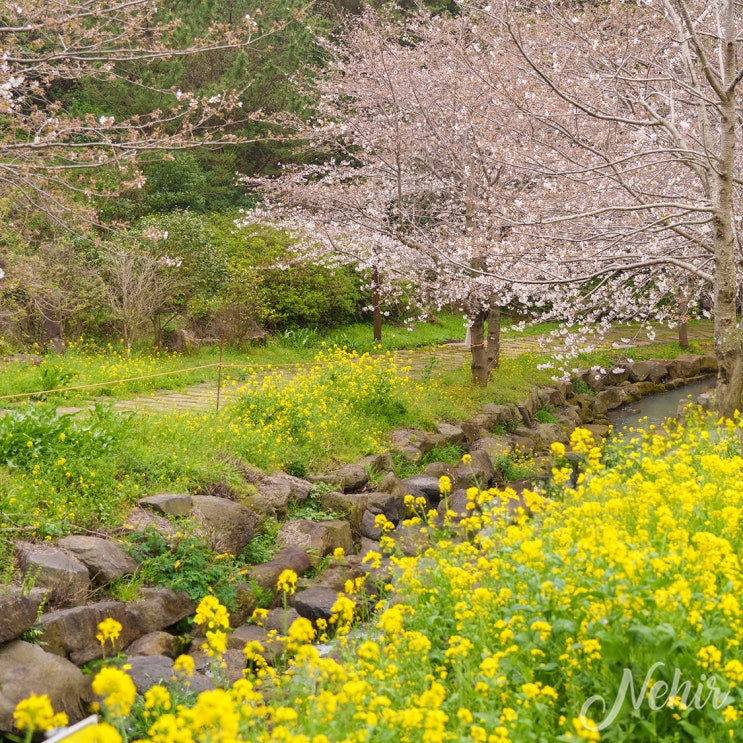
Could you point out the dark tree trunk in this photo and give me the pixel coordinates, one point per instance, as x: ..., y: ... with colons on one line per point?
x: 480, y: 366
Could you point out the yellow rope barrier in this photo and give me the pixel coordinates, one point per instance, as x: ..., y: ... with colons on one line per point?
x: 107, y: 384
x: 250, y: 365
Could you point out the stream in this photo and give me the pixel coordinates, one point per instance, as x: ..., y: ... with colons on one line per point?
x: 657, y: 407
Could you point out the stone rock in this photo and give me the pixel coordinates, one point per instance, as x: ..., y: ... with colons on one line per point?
x: 569, y: 415
x: 708, y: 364
x: 368, y: 545
x: 599, y: 430
x: 523, y: 442
x: 411, y: 444
x: 348, y: 505
x: 389, y: 483
x: 319, y: 538
x: 159, y: 608
x: 616, y: 375
x: 352, y: 477
x: 423, y: 486
x: 299, y: 488
x: 106, y: 561
x: 18, y: 610
x: 232, y: 664
x: 292, y: 557
x: 348, y: 478
x: 457, y: 505
x: 707, y: 400
x: 684, y: 366
x: 453, y: 435
x: 260, y: 504
x: 551, y: 396
x: 315, y: 603
x: 642, y: 371
x: 649, y: 388
x: 339, y: 535
x: 71, y: 633
x: 496, y: 447
x: 471, y: 432
x: 478, y: 473
x: 169, y: 504
x: 280, y: 619
x: 586, y: 405
x: 153, y: 643
x: 335, y: 577
x: 440, y: 469
x: 227, y: 525
x: 412, y: 540
x: 485, y: 421
x: 65, y: 576
x: 140, y: 519
x: 611, y: 398
x: 547, y: 433
x: 272, y: 648
x: 392, y: 505
x: 378, y: 462
x: 505, y: 414
x: 149, y: 670
x: 245, y: 603
x: 27, y: 669
x: 368, y: 527
x: 276, y: 491
x: 531, y: 405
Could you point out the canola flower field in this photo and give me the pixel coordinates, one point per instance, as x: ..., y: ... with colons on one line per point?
x: 612, y: 614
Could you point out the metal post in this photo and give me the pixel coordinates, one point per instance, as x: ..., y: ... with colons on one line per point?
x: 219, y: 371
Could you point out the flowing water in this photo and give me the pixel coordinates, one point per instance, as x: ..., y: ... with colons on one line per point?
x: 656, y: 408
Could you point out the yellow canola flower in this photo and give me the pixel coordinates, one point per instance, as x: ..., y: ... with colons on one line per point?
x: 108, y: 629
x: 103, y: 732
x: 35, y: 713
x: 287, y: 582
x: 116, y: 690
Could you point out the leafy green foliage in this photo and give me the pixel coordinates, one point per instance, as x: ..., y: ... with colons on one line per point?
x: 307, y: 296
x: 263, y: 545
x: 312, y: 510
x: 545, y: 415
x: 185, y: 563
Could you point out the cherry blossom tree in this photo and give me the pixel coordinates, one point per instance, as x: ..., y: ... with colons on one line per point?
x: 632, y: 121
x: 407, y: 180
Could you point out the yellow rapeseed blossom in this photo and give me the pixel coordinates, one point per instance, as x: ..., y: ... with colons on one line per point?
x: 116, y: 691
x: 108, y: 629
x: 35, y: 713
x: 287, y: 582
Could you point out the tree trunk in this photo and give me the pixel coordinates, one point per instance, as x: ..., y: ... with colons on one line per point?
x: 376, y: 306
x: 728, y: 337
x: 480, y: 366
x: 493, y: 346
x: 683, y: 334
